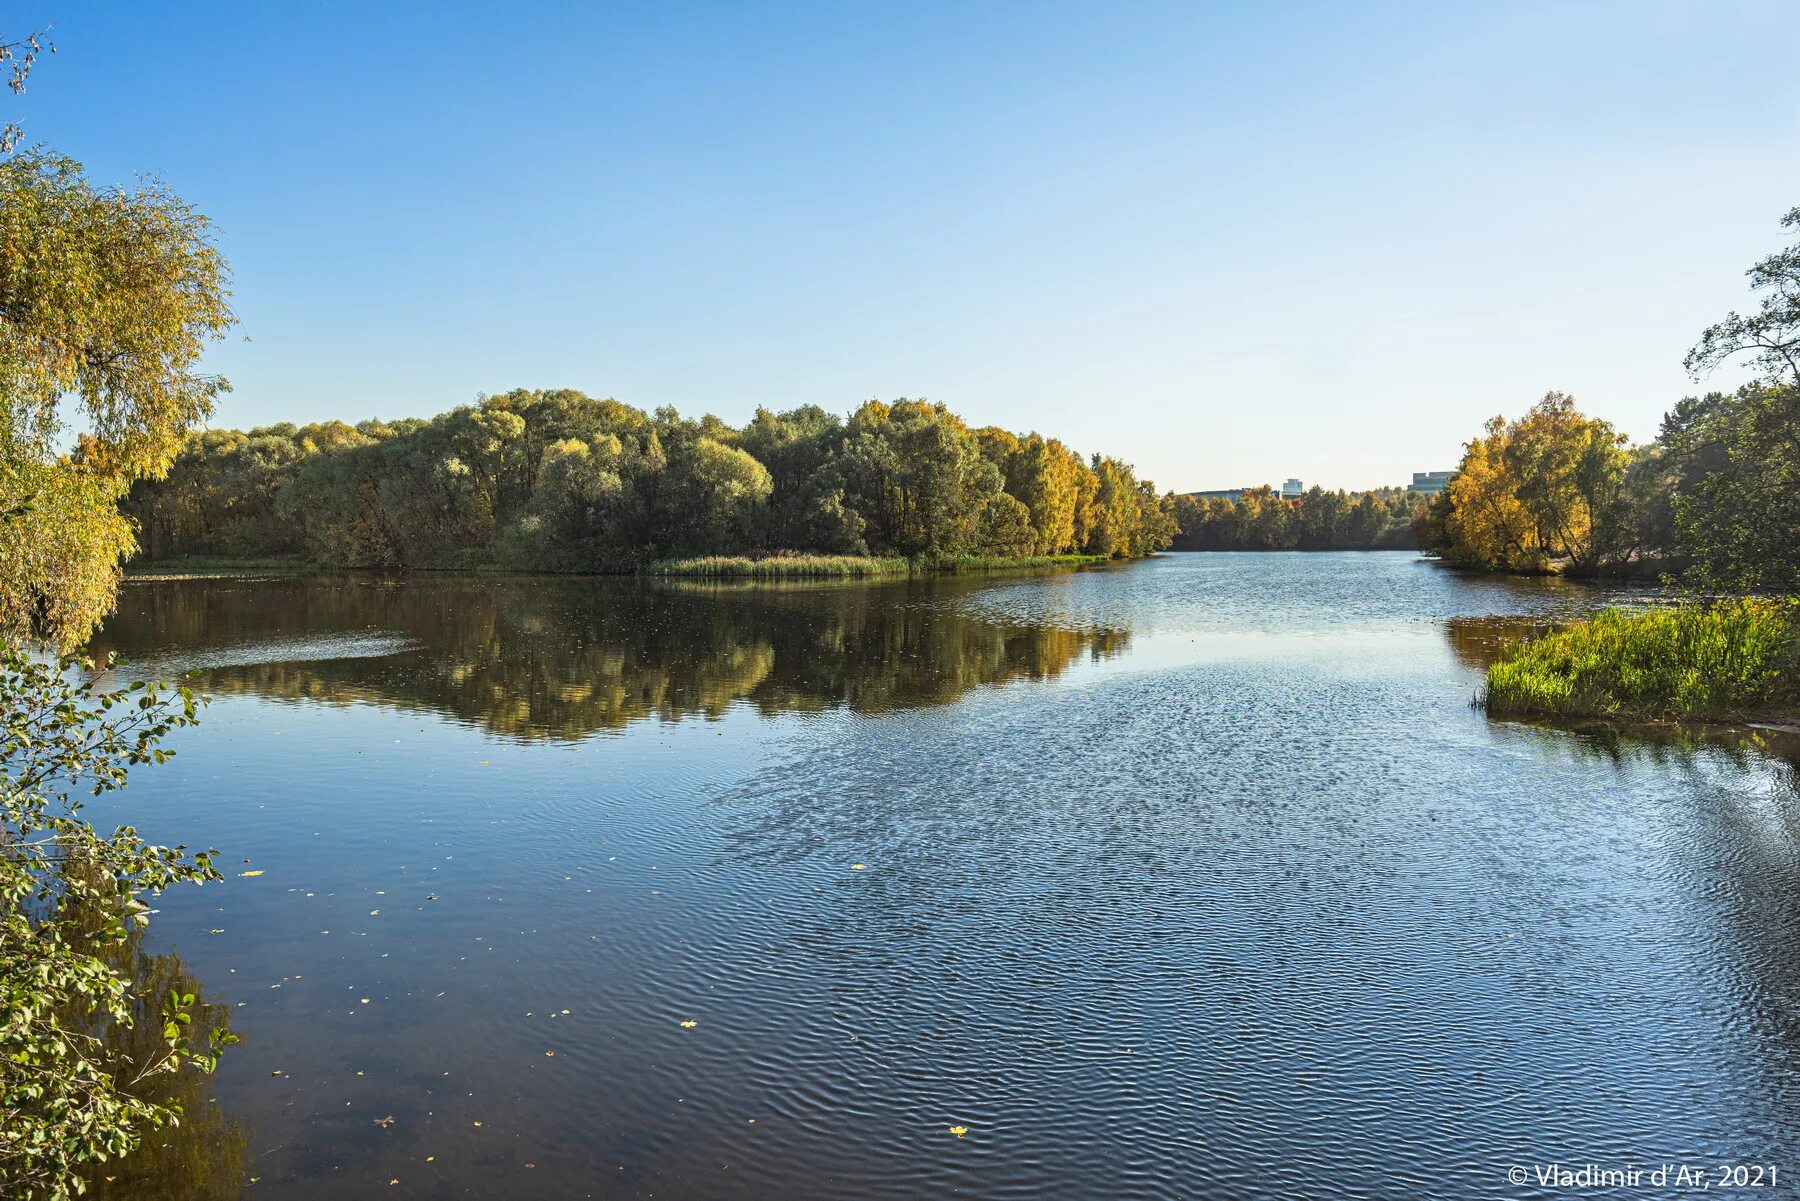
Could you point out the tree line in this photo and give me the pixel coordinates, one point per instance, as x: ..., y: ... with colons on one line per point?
x: 1714, y: 499
x: 1262, y: 519
x: 556, y: 480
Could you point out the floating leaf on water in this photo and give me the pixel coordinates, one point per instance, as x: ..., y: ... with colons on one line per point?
x: 689, y: 1024
x: 859, y: 867
x: 959, y: 1131
x: 384, y: 1123
x: 257, y: 872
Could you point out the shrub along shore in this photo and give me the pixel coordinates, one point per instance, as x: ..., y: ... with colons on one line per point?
x: 823, y: 566
x: 1730, y: 660
x: 779, y: 565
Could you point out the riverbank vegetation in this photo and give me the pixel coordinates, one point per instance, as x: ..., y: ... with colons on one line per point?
x: 107, y: 298
x: 1722, y: 661
x: 1261, y: 519
x: 855, y: 566
x: 1713, y: 500
x: 559, y: 481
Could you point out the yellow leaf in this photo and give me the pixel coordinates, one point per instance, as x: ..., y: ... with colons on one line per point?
x: 257, y: 872
x: 857, y: 867
x: 959, y: 1131
x: 689, y: 1024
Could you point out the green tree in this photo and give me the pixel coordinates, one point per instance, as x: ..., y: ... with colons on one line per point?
x: 1735, y: 458
x: 1771, y: 335
x: 918, y: 478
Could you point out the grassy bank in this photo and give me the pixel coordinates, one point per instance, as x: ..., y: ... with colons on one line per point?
x: 1729, y: 660
x: 213, y: 564
x: 737, y: 567
x: 781, y: 567
x: 849, y: 566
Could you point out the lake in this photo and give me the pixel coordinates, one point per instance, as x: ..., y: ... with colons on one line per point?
x: 1195, y: 877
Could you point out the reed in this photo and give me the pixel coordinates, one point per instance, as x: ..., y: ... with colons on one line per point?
x: 792, y: 566
x: 782, y: 566
x: 1719, y: 661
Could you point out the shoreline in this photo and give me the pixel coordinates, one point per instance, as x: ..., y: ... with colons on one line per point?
x: 709, y: 567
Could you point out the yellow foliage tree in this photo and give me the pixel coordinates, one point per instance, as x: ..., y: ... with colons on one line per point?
x: 107, y: 299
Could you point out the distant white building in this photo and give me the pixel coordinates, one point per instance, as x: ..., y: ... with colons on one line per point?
x: 1290, y: 490
x: 1429, y: 483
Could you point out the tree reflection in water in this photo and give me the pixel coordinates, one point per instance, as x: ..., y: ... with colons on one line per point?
x: 203, y: 1157
x: 550, y: 658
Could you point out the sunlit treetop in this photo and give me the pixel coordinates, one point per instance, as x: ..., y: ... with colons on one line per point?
x: 1771, y: 335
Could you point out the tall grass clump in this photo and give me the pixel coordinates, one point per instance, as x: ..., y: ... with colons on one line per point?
x: 794, y: 566
x: 782, y: 566
x: 1728, y: 659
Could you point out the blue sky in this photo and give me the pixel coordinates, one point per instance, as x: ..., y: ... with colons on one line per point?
x: 1229, y: 242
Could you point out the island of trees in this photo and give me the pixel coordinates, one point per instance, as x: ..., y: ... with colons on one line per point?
x: 559, y: 481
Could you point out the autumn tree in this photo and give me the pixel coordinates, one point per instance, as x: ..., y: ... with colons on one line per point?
x: 1567, y: 471
x: 1488, y: 524
x: 107, y: 299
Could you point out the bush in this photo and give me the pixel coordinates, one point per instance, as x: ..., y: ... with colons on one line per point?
x: 70, y: 899
x: 1729, y: 659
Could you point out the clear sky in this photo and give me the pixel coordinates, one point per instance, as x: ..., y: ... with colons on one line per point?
x: 1228, y: 242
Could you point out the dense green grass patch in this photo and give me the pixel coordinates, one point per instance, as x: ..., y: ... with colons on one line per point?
x: 847, y: 566
x: 782, y: 566
x: 1729, y: 659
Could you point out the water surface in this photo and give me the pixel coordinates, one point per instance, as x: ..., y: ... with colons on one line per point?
x: 1197, y: 877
